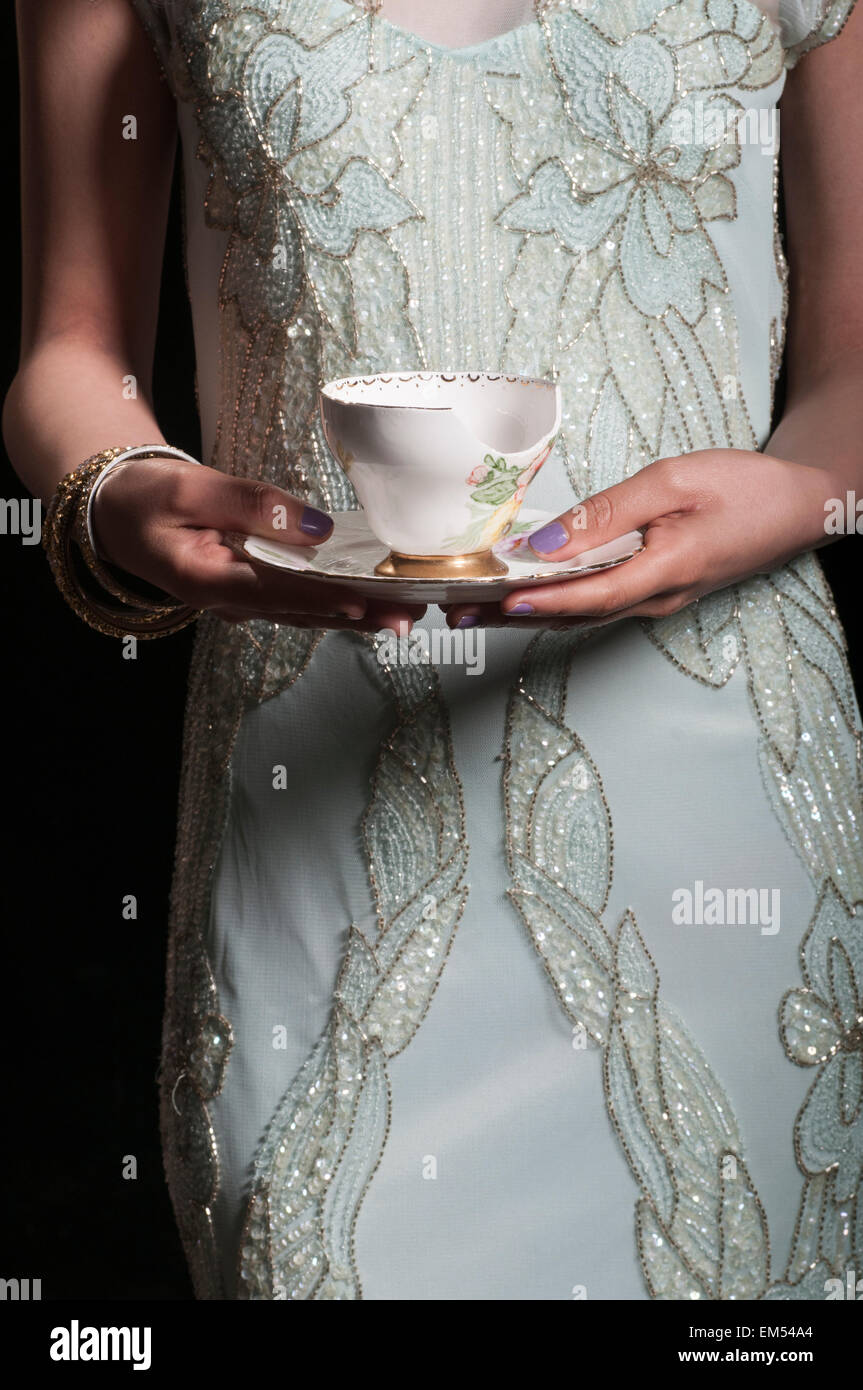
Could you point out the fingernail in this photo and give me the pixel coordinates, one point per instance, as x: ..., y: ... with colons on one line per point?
x: 518, y: 611
x: 315, y: 523
x: 549, y: 539
x: 469, y: 620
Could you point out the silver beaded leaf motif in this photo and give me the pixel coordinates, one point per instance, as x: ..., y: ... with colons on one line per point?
x: 197, y: 1039
x: 579, y: 246
x: 700, y: 1226
x: 305, y: 213
x: 327, y: 1135
x: 822, y: 1028
x: 701, y: 1229
x: 618, y: 286
x: 618, y: 193
x: 299, y: 130
x: 615, y: 87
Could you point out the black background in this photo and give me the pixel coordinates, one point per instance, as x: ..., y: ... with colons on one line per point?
x: 90, y: 769
x: 90, y: 766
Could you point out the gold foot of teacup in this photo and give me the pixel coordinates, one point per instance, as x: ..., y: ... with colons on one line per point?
x: 484, y: 564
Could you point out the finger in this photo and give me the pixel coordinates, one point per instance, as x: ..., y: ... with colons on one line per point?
x: 389, y: 619
x: 312, y: 596
x: 208, y: 575
x: 258, y: 509
x: 660, y: 606
x: 549, y: 623
x: 384, y: 607
x: 398, y: 621
x: 464, y: 615
x: 628, y: 506
x: 664, y: 565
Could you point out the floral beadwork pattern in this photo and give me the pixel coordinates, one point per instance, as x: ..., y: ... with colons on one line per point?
x: 299, y: 134
x: 627, y: 176
x: 597, y: 220
x: 328, y: 1133
x: 299, y: 131
x: 617, y: 194
x: 197, y: 1039
x: 621, y: 174
x: 701, y: 1229
x: 785, y: 630
x: 560, y: 853
x: 822, y: 1026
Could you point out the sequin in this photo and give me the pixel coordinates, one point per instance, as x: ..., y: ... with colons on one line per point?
x: 327, y: 1135
x: 700, y: 1234
x: 700, y: 1227
x: 580, y: 246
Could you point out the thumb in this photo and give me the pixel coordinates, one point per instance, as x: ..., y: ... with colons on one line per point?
x: 627, y: 506
x: 264, y: 510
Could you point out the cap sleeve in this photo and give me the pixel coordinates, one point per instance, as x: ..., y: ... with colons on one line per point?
x: 806, y: 24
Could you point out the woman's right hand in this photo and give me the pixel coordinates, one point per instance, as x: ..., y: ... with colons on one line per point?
x: 165, y: 521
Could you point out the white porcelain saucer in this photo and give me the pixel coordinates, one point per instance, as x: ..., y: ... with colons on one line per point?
x: 349, y: 557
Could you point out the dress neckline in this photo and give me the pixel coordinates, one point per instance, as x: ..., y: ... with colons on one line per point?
x: 470, y: 51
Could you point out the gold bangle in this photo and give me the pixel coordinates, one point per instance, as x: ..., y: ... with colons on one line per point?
x: 72, y: 561
x: 100, y: 570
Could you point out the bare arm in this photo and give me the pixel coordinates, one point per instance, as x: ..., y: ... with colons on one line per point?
x: 822, y: 160
x: 717, y: 516
x: 94, y: 209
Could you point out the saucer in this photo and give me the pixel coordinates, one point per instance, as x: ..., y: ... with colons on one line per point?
x: 352, y: 552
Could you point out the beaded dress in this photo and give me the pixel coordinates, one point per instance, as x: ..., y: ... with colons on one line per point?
x: 434, y: 1028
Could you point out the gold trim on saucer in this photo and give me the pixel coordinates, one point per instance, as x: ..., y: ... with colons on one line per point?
x: 483, y: 564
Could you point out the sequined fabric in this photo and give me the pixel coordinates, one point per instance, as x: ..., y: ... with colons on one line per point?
x: 327, y: 1136
x: 700, y: 1225
x: 583, y: 239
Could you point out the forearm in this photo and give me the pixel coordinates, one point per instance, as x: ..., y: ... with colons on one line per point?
x: 822, y: 427
x: 70, y: 399
x: 95, y: 195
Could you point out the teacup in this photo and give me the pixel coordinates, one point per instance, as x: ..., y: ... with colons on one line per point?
x: 440, y: 462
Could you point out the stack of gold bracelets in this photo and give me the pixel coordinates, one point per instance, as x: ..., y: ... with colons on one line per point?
x: 96, y: 591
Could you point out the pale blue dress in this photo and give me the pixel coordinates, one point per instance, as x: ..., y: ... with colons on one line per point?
x: 436, y: 1027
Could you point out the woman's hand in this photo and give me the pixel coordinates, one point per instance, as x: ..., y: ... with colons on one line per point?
x: 709, y: 518
x: 165, y: 521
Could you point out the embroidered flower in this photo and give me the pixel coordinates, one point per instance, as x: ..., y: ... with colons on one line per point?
x: 622, y: 166
x: 638, y: 164
x: 296, y: 180
x: 822, y: 1026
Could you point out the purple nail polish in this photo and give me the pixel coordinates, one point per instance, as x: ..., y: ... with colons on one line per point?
x: 469, y: 620
x: 548, y: 539
x: 315, y: 523
x: 519, y: 611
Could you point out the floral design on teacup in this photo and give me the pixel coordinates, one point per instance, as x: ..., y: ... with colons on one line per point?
x: 498, y: 492
x: 515, y: 540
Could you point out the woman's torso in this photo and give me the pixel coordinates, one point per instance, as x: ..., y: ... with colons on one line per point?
x: 553, y: 200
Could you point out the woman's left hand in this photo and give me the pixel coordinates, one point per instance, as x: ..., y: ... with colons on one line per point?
x: 709, y: 518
